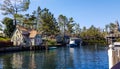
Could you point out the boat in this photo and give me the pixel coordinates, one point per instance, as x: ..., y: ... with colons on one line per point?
x: 75, y: 42
x: 115, y: 45
x: 51, y: 48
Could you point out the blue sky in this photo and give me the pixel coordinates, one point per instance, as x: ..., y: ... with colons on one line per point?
x: 85, y: 12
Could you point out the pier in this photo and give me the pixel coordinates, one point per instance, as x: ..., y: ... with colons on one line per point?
x: 114, y: 57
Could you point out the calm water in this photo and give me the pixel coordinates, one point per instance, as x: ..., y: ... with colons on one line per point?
x: 85, y: 57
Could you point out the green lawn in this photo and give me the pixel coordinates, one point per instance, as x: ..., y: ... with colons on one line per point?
x: 4, y: 39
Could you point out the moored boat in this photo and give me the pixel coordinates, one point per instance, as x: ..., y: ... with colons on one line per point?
x: 116, y: 45
x: 75, y: 42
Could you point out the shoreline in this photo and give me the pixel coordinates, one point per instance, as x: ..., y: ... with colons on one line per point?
x: 10, y: 48
x: 22, y: 48
x: 6, y: 47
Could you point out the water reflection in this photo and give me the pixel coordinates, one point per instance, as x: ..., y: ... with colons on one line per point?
x: 17, y: 61
x: 88, y: 57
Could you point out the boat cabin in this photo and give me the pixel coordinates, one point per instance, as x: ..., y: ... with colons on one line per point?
x: 116, y: 45
x: 75, y: 41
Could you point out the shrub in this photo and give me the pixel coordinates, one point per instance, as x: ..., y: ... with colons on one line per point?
x: 52, y: 42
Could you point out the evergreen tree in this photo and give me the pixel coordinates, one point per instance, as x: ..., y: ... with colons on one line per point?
x: 12, y: 7
x: 66, y: 25
x: 77, y: 30
x: 0, y: 27
x: 70, y: 26
x: 49, y: 25
x: 9, y: 26
x: 62, y: 21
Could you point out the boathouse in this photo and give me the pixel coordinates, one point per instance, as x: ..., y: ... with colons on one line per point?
x: 26, y: 37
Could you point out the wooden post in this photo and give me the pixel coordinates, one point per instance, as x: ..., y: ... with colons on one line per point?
x: 30, y: 48
x: 46, y: 44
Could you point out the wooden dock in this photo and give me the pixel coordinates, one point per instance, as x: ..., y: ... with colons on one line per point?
x: 114, y: 57
x: 22, y: 48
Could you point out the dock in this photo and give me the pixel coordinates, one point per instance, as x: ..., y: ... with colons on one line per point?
x: 114, y: 57
x: 21, y: 48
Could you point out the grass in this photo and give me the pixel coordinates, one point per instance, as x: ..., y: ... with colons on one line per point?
x: 5, y: 42
x: 4, y: 39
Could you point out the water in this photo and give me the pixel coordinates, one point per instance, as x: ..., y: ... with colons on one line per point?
x: 85, y: 57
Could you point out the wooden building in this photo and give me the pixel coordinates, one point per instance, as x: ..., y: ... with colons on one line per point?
x: 26, y: 37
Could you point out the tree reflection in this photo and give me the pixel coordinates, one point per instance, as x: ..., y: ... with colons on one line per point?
x: 60, y: 58
x: 7, y: 62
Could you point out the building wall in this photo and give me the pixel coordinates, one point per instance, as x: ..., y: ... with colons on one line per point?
x: 17, y: 38
x: 39, y: 40
x: 32, y: 41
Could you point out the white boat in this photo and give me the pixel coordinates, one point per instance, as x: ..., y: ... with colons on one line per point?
x: 75, y: 42
x: 115, y: 45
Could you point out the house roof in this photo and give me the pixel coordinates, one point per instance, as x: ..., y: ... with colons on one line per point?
x: 21, y: 28
x: 33, y: 33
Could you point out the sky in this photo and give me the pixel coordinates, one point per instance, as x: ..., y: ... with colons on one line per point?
x: 85, y: 12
